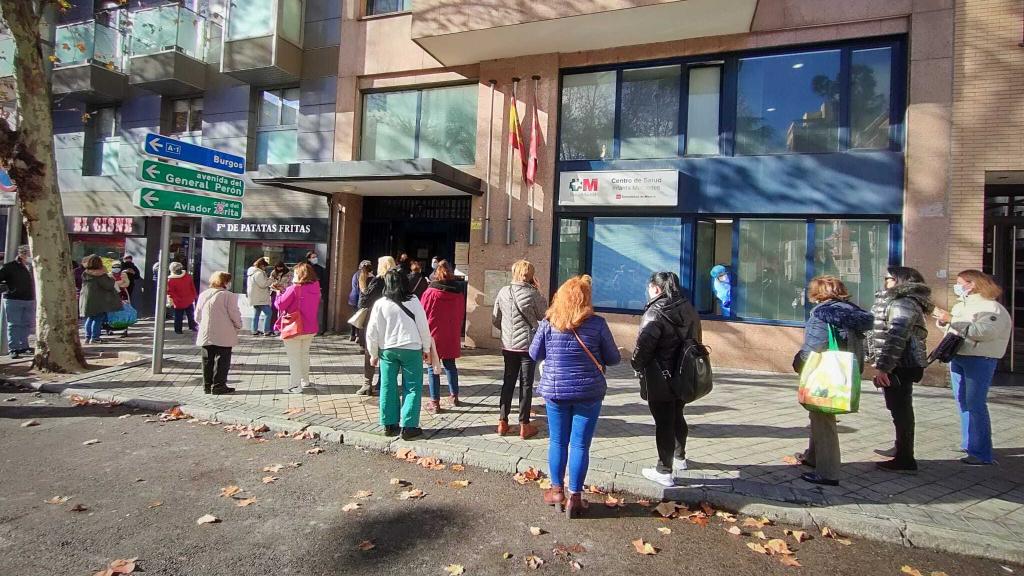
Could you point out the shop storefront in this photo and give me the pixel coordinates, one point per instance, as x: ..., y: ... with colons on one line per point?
x: 109, y: 237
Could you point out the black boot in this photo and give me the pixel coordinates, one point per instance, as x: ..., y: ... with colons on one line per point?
x: 206, y: 388
x: 410, y: 433
x: 219, y: 389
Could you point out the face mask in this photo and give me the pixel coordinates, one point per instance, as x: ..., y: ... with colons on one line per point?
x: 116, y: 270
x: 314, y: 260
x: 960, y: 290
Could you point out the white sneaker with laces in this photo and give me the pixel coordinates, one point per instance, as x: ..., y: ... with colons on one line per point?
x: 653, y: 475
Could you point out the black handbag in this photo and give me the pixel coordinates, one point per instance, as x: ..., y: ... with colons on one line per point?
x: 946, y: 348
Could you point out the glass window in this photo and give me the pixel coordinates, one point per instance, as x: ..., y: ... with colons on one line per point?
x: 572, y: 249
x: 448, y: 124
x: 870, y: 94
x: 251, y: 19
x: 187, y: 116
x: 772, y: 269
x: 374, y: 7
x: 649, y: 125
x: 855, y: 251
x: 279, y: 107
x: 277, y: 147
x: 245, y: 253
x: 626, y: 252
x: 276, y: 133
x: 702, y: 110
x: 389, y: 125
x: 291, y: 21
x: 588, y: 116
x: 110, y: 249
x: 106, y: 142
x: 714, y: 248
x: 788, y: 103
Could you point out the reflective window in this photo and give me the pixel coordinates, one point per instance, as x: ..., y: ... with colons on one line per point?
x: 276, y: 132
x: 433, y: 123
x: 772, y: 274
x: 713, y: 293
x: 389, y: 125
x: 276, y: 147
x: 291, y: 21
x: 788, y: 103
x: 870, y: 95
x: 6, y: 57
x: 626, y: 252
x: 649, y: 125
x: 374, y: 7
x: 104, y: 153
x: 588, y: 116
x: 251, y: 19
x: 245, y: 253
x: 279, y: 107
x: 572, y: 249
x: 187, y: 116
x: 855, y: 251
x: 703, y: 110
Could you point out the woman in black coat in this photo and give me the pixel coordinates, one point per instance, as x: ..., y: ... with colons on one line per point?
x: 669, y: 321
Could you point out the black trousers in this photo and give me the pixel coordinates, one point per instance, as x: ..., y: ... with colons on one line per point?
x: 899, y: 399
x: 519, y: 367
x: 670, y: 431
x: 216, y: 363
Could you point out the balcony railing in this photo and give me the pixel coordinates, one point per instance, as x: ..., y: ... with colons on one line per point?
x: 89, y: 43
x: 171, y: 29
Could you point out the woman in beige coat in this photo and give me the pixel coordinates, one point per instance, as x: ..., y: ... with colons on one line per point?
x: 219, y: 323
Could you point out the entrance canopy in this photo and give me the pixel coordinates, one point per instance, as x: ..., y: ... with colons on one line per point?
x: 419, y: 177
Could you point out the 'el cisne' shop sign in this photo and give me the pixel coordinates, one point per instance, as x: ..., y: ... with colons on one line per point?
x: 634, y: 188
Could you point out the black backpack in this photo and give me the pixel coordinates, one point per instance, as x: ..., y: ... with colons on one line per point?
x: 692, y: 378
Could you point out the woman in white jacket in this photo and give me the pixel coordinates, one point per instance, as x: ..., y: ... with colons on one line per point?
x: 257, y: 288
x: 398, y: 339
x: 985, y: 326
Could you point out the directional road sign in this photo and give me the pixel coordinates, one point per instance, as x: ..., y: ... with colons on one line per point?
x: 185, y: 203
x: 164, y: 147
x: 182, y: 177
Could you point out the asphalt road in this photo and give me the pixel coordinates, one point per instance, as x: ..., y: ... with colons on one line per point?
x: 145, y: 484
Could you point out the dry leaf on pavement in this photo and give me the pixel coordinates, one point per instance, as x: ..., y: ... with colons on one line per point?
x: 270, y: 479
x: 798, y: 535
x: 643, y: 502
x: 458, y: 468
x: 362, y: 494
x: 778, y: 546
x: 458, y: 483
x: 58, y: 500
x: 734, y: 530
x: 242, y: 503
x: 400, y: 482
x: 938, y: 574
x: 544, y: 483
x: 119, y: 566
x: 316, y: 450
x: 910, y: 570
x: 304, y: 435
x: 789, y: 561
x: 155, y: 504
x: 665, y: 531
x: 594, y: 489
x: 455, y: 569
x: 830, y: 533
x: 506, y: 555
x: 791, y: 460
x: 726, y: 516
x: 699, y: 520
x: 78, y: 508
x: 757, y: 548
x: 575, y: 566
x: 412, y: 494
x: 229, y: 491
x: 707, y: 509
x: 613, y: 502
x: 208, y: 519
x: 534, y: 562
x: 666, y: 509
x: 644, y: 547
x: 753, y: 523
x: 759, y: 535
x: 530, y: 475
x: 350, y: 507
x: 292, y: 411
x: 30, y: 423
x: 91, y: 442
x: 536, y: 531
x: 366, y: 545
x: 406, y: 454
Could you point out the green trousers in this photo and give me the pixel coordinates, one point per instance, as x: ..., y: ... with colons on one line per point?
x: 407, y: 399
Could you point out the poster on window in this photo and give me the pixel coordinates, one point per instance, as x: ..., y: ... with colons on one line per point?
x: 633, y: 188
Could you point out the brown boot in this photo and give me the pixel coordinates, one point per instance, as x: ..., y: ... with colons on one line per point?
x: 527, y: 430
x: 454, y: 400
x: 553, y: 496
x: 575, y: 505
x: 433, y: 407
x: 502, y: 427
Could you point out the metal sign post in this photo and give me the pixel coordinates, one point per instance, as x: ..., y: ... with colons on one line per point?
x: 161, y: 295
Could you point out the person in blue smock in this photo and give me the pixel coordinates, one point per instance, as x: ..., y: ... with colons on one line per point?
x: 721, y: 283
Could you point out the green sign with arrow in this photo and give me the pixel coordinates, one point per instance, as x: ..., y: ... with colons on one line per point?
x: 182, y: 177
x: 184, y: 203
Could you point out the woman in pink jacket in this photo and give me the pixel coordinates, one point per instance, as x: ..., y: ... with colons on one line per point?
x: 301, y: 302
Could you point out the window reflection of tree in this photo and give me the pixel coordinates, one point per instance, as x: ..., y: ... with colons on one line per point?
x: 869, y: 109
x: 650, y: 111
x: 588, y: 113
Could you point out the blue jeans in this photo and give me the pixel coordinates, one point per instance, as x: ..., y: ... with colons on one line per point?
x: 571, y: 428
x: 94, y: 325
x: 256, y: 311
x: 20, y: 318
x: 451, y: 372
x: 971, y: 377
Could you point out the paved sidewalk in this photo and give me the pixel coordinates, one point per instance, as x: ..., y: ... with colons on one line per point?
x: 738, y: 438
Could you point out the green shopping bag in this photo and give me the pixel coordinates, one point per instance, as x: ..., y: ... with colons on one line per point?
x: 830, y: 380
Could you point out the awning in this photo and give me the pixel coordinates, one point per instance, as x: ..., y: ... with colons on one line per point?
x: 419, y: 177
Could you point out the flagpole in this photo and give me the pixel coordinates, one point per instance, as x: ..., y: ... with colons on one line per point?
x: 511, y: 164
x: 534, y: 125
x: 487, y: 190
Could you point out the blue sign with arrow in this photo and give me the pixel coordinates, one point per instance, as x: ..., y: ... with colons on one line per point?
x: 164, y: 147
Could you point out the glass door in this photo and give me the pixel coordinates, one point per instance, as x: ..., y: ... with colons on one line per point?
x: 1004, y: 255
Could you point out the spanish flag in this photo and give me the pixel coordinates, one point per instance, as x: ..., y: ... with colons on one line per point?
x: 515, y: 135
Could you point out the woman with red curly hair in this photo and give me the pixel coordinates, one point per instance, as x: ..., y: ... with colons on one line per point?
x: 577, y: 346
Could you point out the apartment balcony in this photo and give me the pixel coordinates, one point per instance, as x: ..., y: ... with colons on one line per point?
x: 90, y: 63
x: 456, y: 32
x: 263, y: 41
x: 170, y: 48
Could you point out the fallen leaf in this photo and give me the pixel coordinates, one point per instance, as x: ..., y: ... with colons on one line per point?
x: 759, y: 535
x: 91, y: 442
x: 757, y: 548
x: 366, y: 545
x: 174, y: 413
x: 707, y: 509
x: 78, y: 508
x: 575, y: 566
x: 752, y: 523
x: 270, y: 479
x: 644, y: 547
x: 666, y: 509
x: 667, y: 531
x: 830, y: 533
x: 791, y: 460
x: 400, y: 482
x: 938, y: 574
x: 534, y: 562
x: 536, y: 531
x: 458, y: 468
x: 699, y: 520
x: 316, y: 450
x: 725, y: 516
x: 30, y: 423
x: 412, y: 494
x: 406, y: 454
x: 155, y: 504
x: 229, y: 491
x: 910, y: 570
x: 789, y: 561
x: 613, y: 502
x: 734, y: 530
x: 304, y: 435
x: 294, y: 464
x: 208, y: 519
x: 778, y: 546
x: 428, y: 462
x: 455, y: 569
x: 362, y: 494
x: 281, y: 434
x: 544, y: 483
x: 292, y: 411
x: 798, y: 535
x: 350, y: 507
x: 506, y: 555
x: 458, y: 483
x: 242, y: 503
x: 119, y: 566
x: 58, y: 499
x: 564, y: 551
x: 531, y: 474
x: 593, y: 489
x: 644, y: 502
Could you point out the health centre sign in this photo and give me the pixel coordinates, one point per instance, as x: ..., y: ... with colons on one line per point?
x: 633, y: 188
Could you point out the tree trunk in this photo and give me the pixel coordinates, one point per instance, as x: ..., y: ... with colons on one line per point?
x: 28, y: 155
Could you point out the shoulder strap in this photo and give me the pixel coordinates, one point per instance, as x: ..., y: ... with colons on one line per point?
x: 589, y: 353
x: 407, y: 311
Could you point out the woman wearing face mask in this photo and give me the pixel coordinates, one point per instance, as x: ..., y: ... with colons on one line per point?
x: 669, y: 321
x: 257, y: 288
x: 219, y: 322
x: 985, y: 326
x: 897, y: 351
x: 302, y: 298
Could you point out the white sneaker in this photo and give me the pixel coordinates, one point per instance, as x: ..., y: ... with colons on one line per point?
x: 678, y: 465
x: 293, y: 390
x: 305, y: 385
x: 653, y: 475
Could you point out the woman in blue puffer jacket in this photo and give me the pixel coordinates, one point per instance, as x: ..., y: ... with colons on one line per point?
x: 577, y: 346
